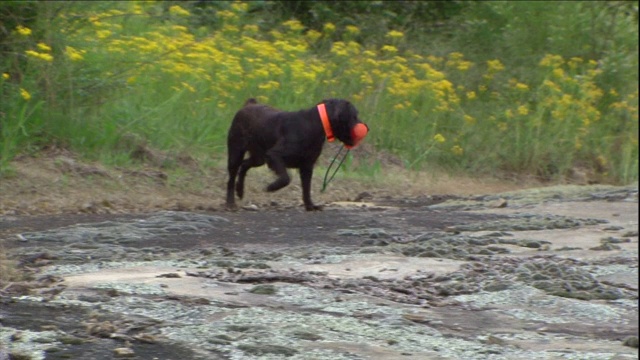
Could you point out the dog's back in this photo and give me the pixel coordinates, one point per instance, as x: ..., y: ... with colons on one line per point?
x: 251, y: 118
x: 252, y: 128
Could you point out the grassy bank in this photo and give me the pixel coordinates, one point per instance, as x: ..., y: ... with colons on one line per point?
x: 100, y: 78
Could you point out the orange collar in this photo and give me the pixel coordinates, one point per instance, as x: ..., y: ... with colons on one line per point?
x: 325, y: 122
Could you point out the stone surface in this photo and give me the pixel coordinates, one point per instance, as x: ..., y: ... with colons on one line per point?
x: 463, y: 278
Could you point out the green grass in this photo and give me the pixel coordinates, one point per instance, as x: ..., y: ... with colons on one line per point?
x: 483, y: 99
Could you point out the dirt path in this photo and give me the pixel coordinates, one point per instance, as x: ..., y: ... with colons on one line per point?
x: 539, y: 274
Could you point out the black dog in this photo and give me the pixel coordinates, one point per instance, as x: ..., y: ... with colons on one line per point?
x: 287, y: 140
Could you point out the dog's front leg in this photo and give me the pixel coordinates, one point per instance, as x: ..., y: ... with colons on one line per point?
x: 306, y: 173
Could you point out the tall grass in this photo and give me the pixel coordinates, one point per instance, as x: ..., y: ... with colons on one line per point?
x: 106, y: 71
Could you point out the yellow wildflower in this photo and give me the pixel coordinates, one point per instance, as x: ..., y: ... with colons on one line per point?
x: 339, y: 48
x: 471, y: 95
x: 269, y: 85
x: 370, y: 54
x: 508, y: 113
x: 495, y: 65
x: 457, y: 150
x: 439, y: 138
x: 178, y: 10
x: 73, y: 54
x: 274, y: 69
x: 103, y: 34
x: 395, y: 34
x: 239, y: 6
x: 24, y: 31
x: 574, y: 61
x: 188, y: 87
x: 594, y: 72
x: 444, y: 86
x: 227, y: 28
x: 353, y: 30
x: 25, y: 94
x: 521, y: 86
x: 5, y: 76
x: 251, y: 28
x: 329, y: 28
x: 523, y: 110
x: 456, y: 56
x: 551, y: 85
x: 390, y: 49
x: 41, y: 56
x: 44, y: 47
x: 96, y: 21
x: 276, y: 34
x: 550, y: 60
x: 566, y: 100
x: 464, y: 65
x: 558, y: 72
x: 179, y: 28
x: 619, y: 105
x: 226, y: 14
x: 313, y: 35
x: 294, y: 25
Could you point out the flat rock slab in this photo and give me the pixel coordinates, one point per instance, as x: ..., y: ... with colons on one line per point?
x: 541, y: 274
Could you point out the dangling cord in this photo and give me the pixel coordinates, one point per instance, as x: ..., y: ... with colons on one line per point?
x: 325, y: 182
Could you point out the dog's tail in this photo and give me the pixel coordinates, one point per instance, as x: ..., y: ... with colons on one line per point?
x: 250, y: 101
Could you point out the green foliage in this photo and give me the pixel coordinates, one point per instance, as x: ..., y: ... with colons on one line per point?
x: 520, y: 32
x: 483, y: 87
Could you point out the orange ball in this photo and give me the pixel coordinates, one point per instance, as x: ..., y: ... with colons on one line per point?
x: 358, y: 133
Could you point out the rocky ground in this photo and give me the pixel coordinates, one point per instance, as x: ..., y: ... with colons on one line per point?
x: 542, y: 273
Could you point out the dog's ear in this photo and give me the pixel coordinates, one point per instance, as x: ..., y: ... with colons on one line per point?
x: 341, y: 110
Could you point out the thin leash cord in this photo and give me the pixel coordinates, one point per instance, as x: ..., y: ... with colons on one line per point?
x: 325, y: 182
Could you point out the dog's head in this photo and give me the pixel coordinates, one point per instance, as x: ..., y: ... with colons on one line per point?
x: 345, y: 123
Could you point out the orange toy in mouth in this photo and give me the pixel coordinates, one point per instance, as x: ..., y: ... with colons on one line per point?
x: 357, y: 134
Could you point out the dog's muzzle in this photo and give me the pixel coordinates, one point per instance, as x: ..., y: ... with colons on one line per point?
x: 358, y: 133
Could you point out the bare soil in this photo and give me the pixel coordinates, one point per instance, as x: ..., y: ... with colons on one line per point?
x: 57, y: 182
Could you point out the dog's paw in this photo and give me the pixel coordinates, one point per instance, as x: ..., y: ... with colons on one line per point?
x: 313, y: 207
x: 231, y: 207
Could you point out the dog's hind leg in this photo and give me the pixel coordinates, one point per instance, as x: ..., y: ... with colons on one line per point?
x: 236, y: 154
x: 247, y: 164
x: 278, y: 166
